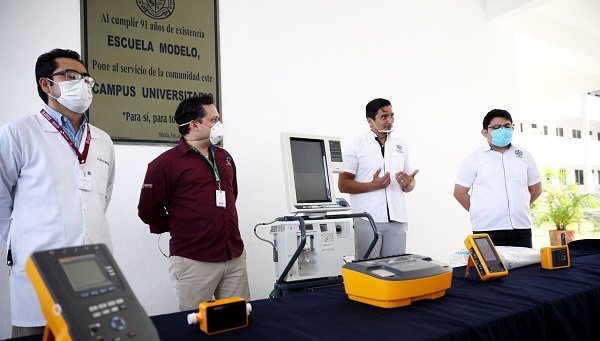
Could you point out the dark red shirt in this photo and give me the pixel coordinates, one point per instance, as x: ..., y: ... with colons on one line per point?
x: 179, y: 196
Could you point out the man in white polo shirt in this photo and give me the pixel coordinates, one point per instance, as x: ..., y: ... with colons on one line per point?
x: 503, y: 180
x: 377, y: 173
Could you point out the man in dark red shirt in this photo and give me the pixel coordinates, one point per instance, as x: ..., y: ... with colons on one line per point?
x: 190, y: 192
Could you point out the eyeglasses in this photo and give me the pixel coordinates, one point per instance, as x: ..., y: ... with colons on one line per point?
x: 73, y: 75
x: 498, y: 126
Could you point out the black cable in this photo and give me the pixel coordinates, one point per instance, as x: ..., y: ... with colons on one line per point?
x: 264, y: 240
x: 159, y: 249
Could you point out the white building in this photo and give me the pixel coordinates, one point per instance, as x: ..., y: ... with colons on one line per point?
x: 565, y: 134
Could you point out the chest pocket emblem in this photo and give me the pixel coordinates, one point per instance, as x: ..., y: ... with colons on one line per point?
x: 399, y: 149
x: 519, y: 153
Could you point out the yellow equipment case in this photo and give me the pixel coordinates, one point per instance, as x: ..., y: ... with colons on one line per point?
x: 396, y: 281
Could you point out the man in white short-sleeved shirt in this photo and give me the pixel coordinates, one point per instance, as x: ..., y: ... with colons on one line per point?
x: 377, y: 173
x: 503, y: 180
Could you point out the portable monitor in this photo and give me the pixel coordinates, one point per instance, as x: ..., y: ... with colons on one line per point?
x: 221, y: 315
x: 555, y: 257
x: 84, y: 296
x: 484, y: 257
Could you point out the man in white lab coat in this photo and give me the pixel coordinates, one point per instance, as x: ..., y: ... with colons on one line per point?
x: 56, y: 179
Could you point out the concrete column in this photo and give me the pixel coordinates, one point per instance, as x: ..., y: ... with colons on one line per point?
x: 588, y: 179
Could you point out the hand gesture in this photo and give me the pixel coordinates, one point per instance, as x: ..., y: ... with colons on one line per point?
x: 381, y: 182
x: 406, y: 181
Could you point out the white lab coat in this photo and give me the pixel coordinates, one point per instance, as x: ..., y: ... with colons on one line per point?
x: 41, y: 205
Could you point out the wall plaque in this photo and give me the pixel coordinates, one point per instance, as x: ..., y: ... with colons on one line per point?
x: 146, y: 57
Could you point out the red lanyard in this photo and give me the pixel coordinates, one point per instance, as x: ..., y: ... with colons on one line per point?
x: 88, y: 138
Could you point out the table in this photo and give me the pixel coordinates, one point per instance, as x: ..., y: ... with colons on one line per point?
x: 529, y: 304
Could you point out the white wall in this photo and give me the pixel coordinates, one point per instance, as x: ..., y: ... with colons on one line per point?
x: 305, y: 66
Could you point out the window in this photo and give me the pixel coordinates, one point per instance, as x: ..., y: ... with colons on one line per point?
x: 559, y: 132
x: 545, y: 130
x: 533, y: 125
x: 579, y: 176
x: 576, y: 134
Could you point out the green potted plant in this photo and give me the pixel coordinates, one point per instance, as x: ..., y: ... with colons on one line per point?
x: 561, y: 204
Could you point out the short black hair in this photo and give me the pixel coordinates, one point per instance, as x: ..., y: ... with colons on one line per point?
x: 46, y: 64
x: 191, y: 109
x: 493, y: 114
x: 373, y: 107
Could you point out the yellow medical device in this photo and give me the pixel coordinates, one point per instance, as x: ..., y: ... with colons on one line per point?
x: 84, y: 296
x: 218, y: 316
x: 555, y: 257
x: 396, y: 281
x: 483, y: 256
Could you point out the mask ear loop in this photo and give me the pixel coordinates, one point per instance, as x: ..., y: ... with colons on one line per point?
x: 387, y: 132
x: 48, y: 93
x: 372, y: 124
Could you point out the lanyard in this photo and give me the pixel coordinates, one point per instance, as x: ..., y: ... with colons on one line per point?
x: 88, y: 138
x: 212, y: 164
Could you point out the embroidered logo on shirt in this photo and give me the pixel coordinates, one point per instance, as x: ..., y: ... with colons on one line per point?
x: 147, y: 185
x: 519, y: 153
x: 228, y: 161
x: 399, y: 149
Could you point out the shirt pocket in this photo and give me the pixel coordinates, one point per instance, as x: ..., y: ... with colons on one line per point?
x: 100, y: 176
x: 228, y: 175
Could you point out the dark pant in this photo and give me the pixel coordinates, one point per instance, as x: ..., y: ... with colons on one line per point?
x: 514, y: 237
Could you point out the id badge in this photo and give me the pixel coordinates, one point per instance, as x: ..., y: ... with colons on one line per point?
x: 220, y: 198
x: 85, y: 180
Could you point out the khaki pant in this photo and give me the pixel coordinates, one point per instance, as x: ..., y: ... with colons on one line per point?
x: 196, y: 282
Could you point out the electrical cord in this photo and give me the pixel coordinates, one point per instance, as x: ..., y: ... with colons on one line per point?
x: 257, y: 236
x: 159, y: 249
x: 273, y: 293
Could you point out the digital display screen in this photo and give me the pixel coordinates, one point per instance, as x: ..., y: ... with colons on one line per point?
x: 83, y: 272
x: 485, y: 249
x: 309, y: 162
x: 228, y: 316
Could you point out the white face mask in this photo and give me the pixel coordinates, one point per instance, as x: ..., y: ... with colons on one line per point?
x: 216, y: 133
x: 387, y: 131
x: 75, y: 95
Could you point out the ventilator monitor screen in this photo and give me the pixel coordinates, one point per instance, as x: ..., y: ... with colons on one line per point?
x: 309, y: 164
x: 311, y: 180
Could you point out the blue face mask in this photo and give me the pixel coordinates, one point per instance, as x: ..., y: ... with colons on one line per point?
x: 502, y: 137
